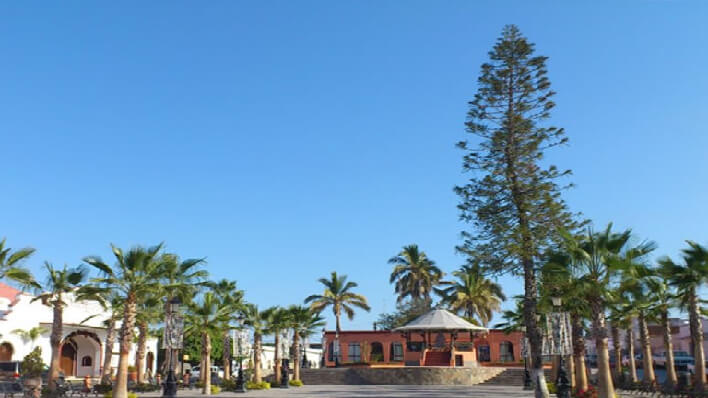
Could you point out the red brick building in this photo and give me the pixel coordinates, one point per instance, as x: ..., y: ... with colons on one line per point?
x: 433, y: 348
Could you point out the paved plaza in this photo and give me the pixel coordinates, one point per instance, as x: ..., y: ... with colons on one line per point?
x: 388, y: 391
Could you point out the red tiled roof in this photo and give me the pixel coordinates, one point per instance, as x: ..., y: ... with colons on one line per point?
x: 8, y: 292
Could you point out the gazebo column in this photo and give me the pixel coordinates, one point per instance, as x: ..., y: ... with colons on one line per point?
x: 452, y: 349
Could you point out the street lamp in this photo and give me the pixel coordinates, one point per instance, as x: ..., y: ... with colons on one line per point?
x: 561, y: 331
x: 242, y: 334
x: 172, y: 340
x: 528, y: 385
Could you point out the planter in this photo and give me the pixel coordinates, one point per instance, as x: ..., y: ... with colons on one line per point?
x: 33, y: 385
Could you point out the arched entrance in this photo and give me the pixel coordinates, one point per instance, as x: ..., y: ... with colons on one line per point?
x: 67, y: 361
x: 376, y: 352
x: 81, y: 354
x: 149, y: 359
x: 506, y: 351
x: 6, y: 351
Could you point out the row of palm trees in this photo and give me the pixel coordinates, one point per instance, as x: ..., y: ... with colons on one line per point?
x: 609, y: 284
x: 136, y: 289
x: 471, y: 293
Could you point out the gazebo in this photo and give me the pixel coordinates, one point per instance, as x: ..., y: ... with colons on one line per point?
x: 437, y: 349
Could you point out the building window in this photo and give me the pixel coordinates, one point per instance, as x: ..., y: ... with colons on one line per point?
x: 506, y: 351
x: 396, y: 352
x: 86, y: 361
x: 354, y: 353
x: 483, y: 353
x: 415, y: 346
x: 330, y: 352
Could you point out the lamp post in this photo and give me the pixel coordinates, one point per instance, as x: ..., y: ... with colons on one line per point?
x: 172, y: 340
x: 241, y: 336
x: 561, y: 342
x: 528, y: 385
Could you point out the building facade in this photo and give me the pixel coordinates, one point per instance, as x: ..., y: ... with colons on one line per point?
x: 386, y: 348
x: 83, y: 340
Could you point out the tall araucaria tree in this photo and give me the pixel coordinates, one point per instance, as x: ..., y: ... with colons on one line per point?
x: 511, y: 199
x: 134, y: 276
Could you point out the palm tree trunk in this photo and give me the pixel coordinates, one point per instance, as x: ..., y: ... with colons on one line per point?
x: 257, y: 357
x: 276, y: 356
x: 671, y: 379
x: 107, y: 356
x: 629, y: 334
x: 605, y: 388
x: 120, y: 389
x: 617, y: 348
x: 338, y: 350
x: 648, y: 373
x: 532, y: 330
x: 696, y: 327
x: 296, y: 365
x: 140, y: 352
x: 55, y: 341
x: 581, y: 378
x: 226, y: 356
x: 206, y: 354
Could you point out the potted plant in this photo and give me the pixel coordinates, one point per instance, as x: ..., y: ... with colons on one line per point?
x: 32, y: 367
x: 132, y: 373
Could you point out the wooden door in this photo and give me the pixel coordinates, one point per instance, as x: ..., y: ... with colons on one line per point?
x: 68, y: 359
x: 6, y: 352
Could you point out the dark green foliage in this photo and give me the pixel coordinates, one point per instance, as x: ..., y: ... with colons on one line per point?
x: 512, y: 201
x: 192, y: 346
x: 405, y: 312
x: 32, y: 365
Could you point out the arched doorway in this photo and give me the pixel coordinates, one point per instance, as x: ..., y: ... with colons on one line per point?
x: 6, y: 351
x: 376, y: 352
x: 67, y: 360
x: 149, y: 359
x: 506, y: 351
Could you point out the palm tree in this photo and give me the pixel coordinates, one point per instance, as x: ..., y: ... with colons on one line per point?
x: 472, y: 294
x: 207, y: 319
x: 304, y: 322
x: 229, y: 295
x: 134, y: 276
x: 31, y: 335
x: 258, y: 322
x: 337, y: 294
x: 414, y: 273
x: 10, y: 265
x: 60, y: 283
x: 633, y: 276
x: 592, y: 258
x: 687, y: 278
x: 663, y: 299
x: 149, y: 310
x: 278, y: 321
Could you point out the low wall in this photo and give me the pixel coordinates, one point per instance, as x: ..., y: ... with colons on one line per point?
x: 401, y: 375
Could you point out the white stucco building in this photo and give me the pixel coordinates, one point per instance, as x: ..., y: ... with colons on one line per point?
x: 83, y: 342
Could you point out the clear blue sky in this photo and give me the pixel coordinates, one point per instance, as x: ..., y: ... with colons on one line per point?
x: 283, y: 140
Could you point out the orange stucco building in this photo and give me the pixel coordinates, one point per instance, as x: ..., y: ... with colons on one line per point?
x: 458, y: 349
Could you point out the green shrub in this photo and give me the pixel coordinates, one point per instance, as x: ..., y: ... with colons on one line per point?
x: 131, y: 368
x: 145, y: 387
x: 252, y: 385
x: 32, y: 365
x: 551, y: 388
x: 228, y: 385
x: 109, y: 394
x: 103, y: 388
x: 215, y: 390
x: 296, y: 383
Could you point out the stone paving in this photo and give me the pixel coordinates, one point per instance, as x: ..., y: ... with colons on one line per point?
x: 387, y: 391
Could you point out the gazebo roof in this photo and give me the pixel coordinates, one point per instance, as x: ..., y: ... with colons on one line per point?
x: 439, y: 320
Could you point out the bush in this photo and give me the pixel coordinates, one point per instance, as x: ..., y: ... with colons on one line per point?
x: 145, y: 387
x: 252, y: 385
x: 296, y: 383
x: 228, y: 385
x: 103, y: 388
x: 589, y: 393
x: 551, y: 387
x: 131, y: 368
x: 109, y: 394
x: 215, y: 390
x: 32, y: 365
